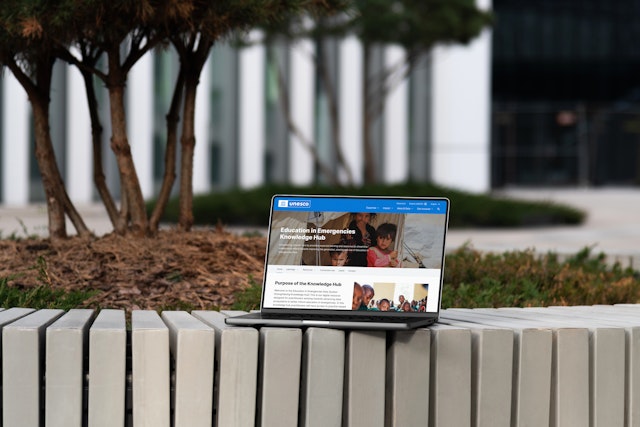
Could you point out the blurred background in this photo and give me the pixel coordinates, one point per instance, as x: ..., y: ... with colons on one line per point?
x: 545, y: 96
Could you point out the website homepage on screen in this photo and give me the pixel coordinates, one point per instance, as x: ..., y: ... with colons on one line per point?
x: 374, y: 254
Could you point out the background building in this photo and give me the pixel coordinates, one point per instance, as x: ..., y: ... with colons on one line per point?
x: 549, y: 96
x: 566, y: 93
x: 435, y: 125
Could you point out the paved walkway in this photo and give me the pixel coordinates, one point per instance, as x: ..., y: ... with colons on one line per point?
x: 612, y: 225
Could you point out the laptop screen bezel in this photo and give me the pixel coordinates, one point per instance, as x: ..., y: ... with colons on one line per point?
x: 351, y: 313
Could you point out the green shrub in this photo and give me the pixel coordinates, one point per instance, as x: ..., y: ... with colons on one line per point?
x: 251, y: 207
x: 524, y: 278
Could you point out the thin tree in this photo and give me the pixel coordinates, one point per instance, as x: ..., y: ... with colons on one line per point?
x: 116, y: 30
x: 89, y: 57
x: 194, y: 31
x: 415, y: 25
x: 27, y: 51
x: 318, y: 28
x: 124, y: 31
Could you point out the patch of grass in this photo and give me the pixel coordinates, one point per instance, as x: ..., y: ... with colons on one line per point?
x: 524, y: 278
x: 42, y: 296
x: 179, y: 306
x: 15, y: 235
x: 251, y: 207
x: 174, y: 276
x: 249, y: 299
x: 519, y: 279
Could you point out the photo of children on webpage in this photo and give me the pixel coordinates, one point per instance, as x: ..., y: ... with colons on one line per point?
x: 356, y: 239
x: 390, y: 297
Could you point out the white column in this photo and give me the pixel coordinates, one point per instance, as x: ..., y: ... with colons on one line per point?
x: 79, y: 173
x: 201, y: 157
x: 140, y: 121
x: 396, y: 132
x: 15, y: 142
x: 461, y: 113
x: 252, y: 116
x: 350, y: 93
x: 302, y: 100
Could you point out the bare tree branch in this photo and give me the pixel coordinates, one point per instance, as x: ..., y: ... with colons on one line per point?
x: 306, y: 142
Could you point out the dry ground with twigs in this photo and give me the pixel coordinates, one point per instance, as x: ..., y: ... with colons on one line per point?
x: 201, y: 269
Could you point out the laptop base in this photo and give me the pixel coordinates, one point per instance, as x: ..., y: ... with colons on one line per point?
x: 387, y: 323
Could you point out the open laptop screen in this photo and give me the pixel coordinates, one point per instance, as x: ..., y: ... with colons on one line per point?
x: 355, y: 253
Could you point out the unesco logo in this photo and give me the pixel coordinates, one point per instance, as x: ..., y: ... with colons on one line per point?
x: 294, y: 203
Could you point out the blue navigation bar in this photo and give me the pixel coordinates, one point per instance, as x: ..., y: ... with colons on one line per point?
x: 436, y: 205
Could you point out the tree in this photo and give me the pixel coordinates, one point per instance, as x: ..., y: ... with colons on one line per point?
x: 194, y: 32
x: 34, y: 33
x: 124, y: 31
x: 192, y: 27
x: 29, y: 53
x: 415, y: 25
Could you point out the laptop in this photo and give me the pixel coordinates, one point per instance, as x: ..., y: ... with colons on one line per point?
x: 352, y: 262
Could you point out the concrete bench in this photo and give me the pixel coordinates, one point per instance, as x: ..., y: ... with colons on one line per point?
x: 557, y: 366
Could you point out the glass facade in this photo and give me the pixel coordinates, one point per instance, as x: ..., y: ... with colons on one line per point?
x: 266, y: 155
x: 1, y: 139
x: 566, y: 92
x: 276, y: 155
x: 327, y: 78
x: 419, y: 121
x: 223, y: 123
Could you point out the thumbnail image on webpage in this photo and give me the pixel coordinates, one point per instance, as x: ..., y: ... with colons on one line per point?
x: 355, y: 261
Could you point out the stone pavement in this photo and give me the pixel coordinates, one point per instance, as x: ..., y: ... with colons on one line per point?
x: 612, y: 225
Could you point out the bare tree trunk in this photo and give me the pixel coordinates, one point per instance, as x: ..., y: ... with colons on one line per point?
x: 57, y: 199
x: 99, y: 178
x: 386, y: 81
x: 89, y: 59
x: 375, y: 91
x: 187, y: 144
x: 169, y: 156
x: 335, y: 120
x: 71, y: 211
x: 47, y: 165
x: 285, y: 105
x: 367, y: 146
x: 120, y: 145
x: 193, y: 53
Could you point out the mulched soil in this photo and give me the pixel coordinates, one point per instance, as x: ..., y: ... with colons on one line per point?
x: 200, y: 269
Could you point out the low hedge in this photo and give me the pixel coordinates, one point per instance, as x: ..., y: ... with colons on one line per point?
x: 251, y: 207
